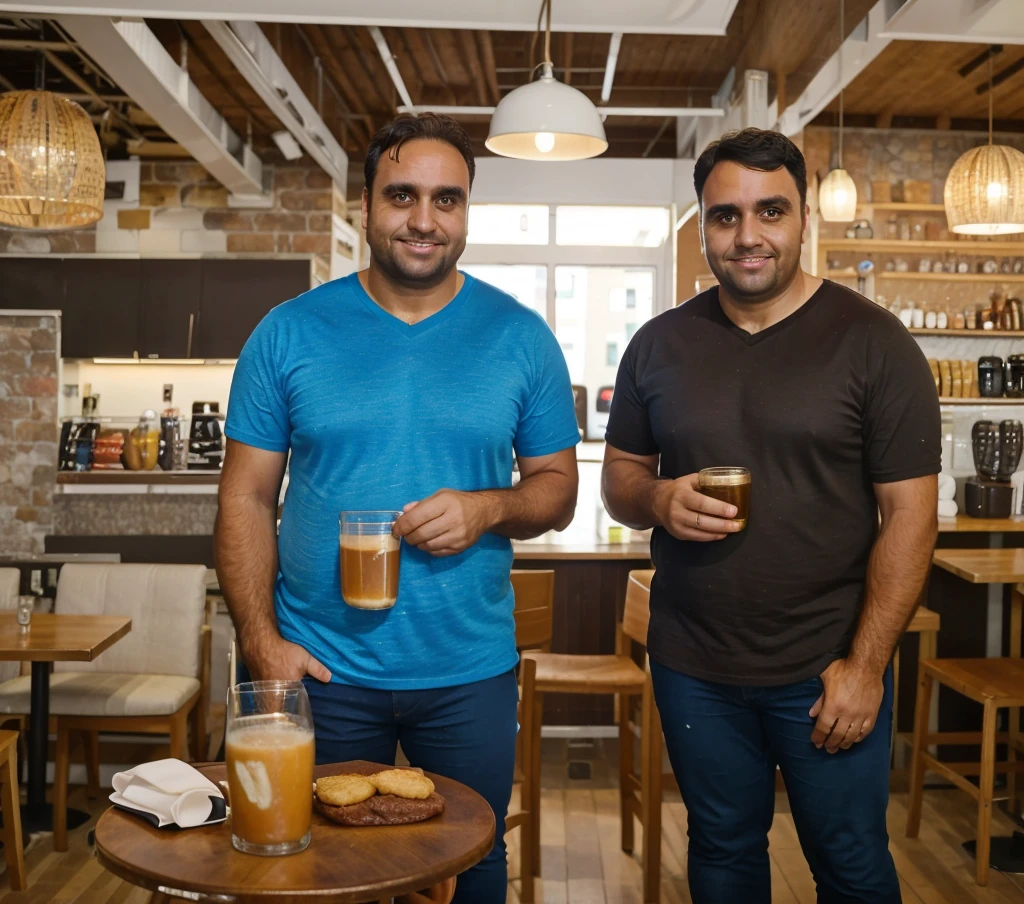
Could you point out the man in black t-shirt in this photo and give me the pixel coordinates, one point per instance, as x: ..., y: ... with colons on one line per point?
x: 770, y: 646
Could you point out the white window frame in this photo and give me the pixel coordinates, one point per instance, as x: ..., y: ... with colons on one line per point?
x: 662, y: 260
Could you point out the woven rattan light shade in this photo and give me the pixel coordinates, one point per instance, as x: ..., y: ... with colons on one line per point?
x: 51, y: 167
x: 984, y: 192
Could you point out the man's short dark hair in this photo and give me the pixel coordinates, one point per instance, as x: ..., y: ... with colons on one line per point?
x: 417, y: 127
x: 759, y: 149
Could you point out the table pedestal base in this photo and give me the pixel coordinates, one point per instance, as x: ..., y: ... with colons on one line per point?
x: 1007, y: 852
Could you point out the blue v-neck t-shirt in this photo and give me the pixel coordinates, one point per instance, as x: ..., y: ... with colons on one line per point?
x: 377, y: 413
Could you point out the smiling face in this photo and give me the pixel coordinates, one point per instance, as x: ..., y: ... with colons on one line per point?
x: 417, y: 218
x: 752, y: 227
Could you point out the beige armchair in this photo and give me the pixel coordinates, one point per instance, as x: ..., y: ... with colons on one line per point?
x: 153, y: 681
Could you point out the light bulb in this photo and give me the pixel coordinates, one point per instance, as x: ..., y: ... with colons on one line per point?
x: 544, y: 141
x: 995, y: 191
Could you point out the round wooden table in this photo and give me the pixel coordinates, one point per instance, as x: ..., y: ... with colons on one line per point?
x: 342, y: 865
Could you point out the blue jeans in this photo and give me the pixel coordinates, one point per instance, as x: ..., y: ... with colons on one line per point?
x: 466, y: 733
x: 725, y: 743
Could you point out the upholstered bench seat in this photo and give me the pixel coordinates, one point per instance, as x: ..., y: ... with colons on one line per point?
x: 103, y: 694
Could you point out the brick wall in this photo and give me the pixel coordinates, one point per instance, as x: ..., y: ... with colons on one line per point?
x: 28, y: 431
x: 178, y: 208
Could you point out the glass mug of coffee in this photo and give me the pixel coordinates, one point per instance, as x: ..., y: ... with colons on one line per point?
x: 270, y: 755
x: 370, y: 559
x: 731, y: 485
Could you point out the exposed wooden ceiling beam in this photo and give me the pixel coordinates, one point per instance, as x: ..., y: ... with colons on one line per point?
x: 471, y: 58
x: 32, y: 46
x: 440, y: 71
x: 386, y: 56
x: 80, y: 83
x: 490, y: 69
x: 346, y: 93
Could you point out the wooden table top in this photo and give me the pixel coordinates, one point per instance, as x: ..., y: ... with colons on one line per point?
x: 983, y: 566
x: 60, y: 638
x: 634, y: 550
x: 343, y: 864
x: 966, y: 524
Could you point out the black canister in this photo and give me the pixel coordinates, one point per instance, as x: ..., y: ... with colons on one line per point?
x: 1013, y: 376
x: 990, y: 377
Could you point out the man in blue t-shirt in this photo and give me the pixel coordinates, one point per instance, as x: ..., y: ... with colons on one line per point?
x: 408, y: 387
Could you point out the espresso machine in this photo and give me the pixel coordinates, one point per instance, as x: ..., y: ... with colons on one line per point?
x: 206, y: 438
x: 997, y: 450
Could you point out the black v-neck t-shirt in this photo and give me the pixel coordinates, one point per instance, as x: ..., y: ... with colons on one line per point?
x: 820, y: 406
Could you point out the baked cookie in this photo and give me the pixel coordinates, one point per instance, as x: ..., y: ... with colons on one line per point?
x: 344, y: 790
x: 403, y: 783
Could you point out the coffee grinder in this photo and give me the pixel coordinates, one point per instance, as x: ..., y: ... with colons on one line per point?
x: 997, y: 451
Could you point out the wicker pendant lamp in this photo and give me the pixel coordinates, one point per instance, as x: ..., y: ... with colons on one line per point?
x: 52, y: 174
x: 837, y: 194
x: 984, y: 193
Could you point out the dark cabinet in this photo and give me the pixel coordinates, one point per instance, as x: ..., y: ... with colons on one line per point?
x: 237, y: 294
x: 32, y: 283
x: 101, y: 308
x: 164, y: 308
x: 169, y: 308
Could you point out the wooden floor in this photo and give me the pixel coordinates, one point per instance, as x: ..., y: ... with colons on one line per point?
x: 582, y: 862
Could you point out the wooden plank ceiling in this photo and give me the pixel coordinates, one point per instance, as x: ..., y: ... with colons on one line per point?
x: 341, y: 72
x: 919, y: 84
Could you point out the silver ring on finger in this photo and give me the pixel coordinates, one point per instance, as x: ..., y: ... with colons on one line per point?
x: 696, y: 523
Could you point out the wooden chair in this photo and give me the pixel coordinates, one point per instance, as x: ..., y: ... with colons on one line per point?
x: 534, y: 605
x: 10, y: 807
x: 534, y: 611
x: 996, y: 683
x: 153, y: 681
x: 925, y: 623
x: 616, y: 674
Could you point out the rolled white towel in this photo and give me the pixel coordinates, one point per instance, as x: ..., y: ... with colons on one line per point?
x: 947, y: 487
x: 947, y: 508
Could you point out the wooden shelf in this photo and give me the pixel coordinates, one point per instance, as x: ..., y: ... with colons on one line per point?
x: 943, y: 400
x: 851, y: 273
x: 902, y: 205
x: 883, y: 245
x: 971, y: 334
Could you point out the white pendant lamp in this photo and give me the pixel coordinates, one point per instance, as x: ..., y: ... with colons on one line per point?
x: 984, y: 193
x: 837, y: 194
x: 546, y: 119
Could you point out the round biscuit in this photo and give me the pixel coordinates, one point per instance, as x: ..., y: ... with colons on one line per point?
x: 344, y: 790
x: 403, y: 783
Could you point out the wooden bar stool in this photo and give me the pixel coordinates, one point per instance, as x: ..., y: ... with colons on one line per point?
x: 10, y: 807
x: 925, y: 623
x: 534, y: 609
x: 995, y: 683
x: 616, y: 674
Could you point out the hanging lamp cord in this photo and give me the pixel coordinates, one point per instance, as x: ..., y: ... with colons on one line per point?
x: 545, y: 7
x: 990, y: 98
x: 839, y: 52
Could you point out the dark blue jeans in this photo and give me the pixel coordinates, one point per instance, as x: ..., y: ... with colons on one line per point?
x: 725, y: 743
x: 466, y: 733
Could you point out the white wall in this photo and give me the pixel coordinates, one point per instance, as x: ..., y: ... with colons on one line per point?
x: 603, y: 180
x: 126, y: 390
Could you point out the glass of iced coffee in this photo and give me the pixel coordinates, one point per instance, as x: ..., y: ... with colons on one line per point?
x: 270, y: 756
x: 369, y: 559
x: 731, y: 485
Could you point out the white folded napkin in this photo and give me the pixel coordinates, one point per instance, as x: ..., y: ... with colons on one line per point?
x: 169, y: 792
